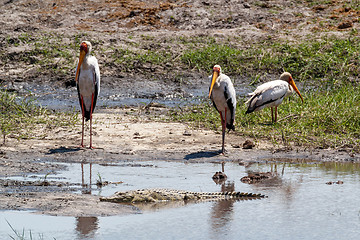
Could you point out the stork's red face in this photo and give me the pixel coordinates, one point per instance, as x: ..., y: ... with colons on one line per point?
x: 83, y: 51
x: 84, y: 47
x: 216, y: 69
x: 216, y: 73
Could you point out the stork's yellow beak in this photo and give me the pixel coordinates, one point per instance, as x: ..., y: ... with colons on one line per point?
x: 81, y: 59
x: 213, y: 80
x: 292, y: 83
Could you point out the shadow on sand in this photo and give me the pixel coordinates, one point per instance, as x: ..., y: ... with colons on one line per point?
x: 63, y: 150
x: 202, y: 154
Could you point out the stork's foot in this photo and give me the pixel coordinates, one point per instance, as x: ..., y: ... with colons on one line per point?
x: 223, y: 152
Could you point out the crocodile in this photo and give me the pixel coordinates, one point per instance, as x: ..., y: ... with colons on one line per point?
x: 163, y: 195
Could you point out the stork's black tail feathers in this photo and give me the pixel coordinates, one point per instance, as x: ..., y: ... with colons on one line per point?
x: 251, y: 107
x: 230, y: 126
x: 232, y: 106
x: 87, y: 115
x: 86, y: 112
x: 249, y: 111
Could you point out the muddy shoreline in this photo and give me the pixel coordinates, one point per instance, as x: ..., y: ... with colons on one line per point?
x: 120, y: 139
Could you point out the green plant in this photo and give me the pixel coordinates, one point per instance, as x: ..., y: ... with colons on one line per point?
x: 327, y: 118
x: 19, y: 115
x: 22, y: 235
x: 327, y: 61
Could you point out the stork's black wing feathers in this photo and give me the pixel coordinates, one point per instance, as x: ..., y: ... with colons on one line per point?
x: 231, y: 107
x: 86, y: 113
x: 253, y: 108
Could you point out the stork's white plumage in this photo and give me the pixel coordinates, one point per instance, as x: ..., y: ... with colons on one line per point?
x: 223, y: 96
x: 88, y: 85
x: 271, y: 94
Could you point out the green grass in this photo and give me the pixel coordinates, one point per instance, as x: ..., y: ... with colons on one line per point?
x: 354, y: 4
x: 133, y: 61
x: 51, y: 53
x: 19, y: 116
x: 328, y: 60
x: 326, y: 119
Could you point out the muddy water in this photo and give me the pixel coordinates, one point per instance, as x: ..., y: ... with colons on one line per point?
x: 59, y: 98
x: 300, y: 203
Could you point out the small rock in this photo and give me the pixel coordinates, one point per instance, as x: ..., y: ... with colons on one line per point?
x: 337, y: 182
x: 246, y: 5
x: 219, y: 177
x: 187, y: 133
x: 345, y: 25
x: 248, y: 144
x: 70, y: 83
x: 128, y: 152
x: 256, y: 177
x: 319, y: 8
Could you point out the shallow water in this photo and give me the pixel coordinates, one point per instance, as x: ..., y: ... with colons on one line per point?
x: 58, y: 98
x: 300, y: 205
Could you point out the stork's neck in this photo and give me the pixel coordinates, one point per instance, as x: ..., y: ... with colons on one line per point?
x: 87, y: 56
x: 86, y: 62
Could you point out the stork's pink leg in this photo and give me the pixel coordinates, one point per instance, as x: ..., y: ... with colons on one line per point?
x: 272, y: 114
x: 91, y: 110
x: 275, y: 113
x: 223, y: 133
x: 83, y: 121
x: 223, y: 125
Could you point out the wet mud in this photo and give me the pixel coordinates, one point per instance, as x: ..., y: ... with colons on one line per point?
x: 29, y: 168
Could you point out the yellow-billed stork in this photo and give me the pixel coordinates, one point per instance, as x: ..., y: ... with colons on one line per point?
x: 223, y: 96
x: 88, y: 85
x: 271, y: 94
